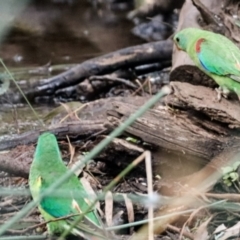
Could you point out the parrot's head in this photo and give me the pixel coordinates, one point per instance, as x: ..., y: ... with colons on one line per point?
x: 184, y: 38
x: 47, y: 147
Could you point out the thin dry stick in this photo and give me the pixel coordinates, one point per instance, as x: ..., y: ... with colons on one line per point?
x: 148, y: 163
x: 71, y: 150
x: 140, y: 86
x: 109, y: 208
x: 68, y: 109
x: 130, y: 211
x: 181, y: 230
x: 149, y: 86
x: 73, y: 112
x: 44, y: 223
x: 189, y: 220
x: 226, y: 196
x: 166, y: 216
x: 113, y: 79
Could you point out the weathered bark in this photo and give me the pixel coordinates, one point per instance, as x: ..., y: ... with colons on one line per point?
x: 17, y: 161
x: 173, y: 124
x: 159, y: 126
x: 204, y: 100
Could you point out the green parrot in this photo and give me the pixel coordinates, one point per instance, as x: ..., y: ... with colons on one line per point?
x: 47, y: 167
x: 215, y: 55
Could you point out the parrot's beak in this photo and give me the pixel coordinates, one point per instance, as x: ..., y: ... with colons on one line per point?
x: 178, y: 48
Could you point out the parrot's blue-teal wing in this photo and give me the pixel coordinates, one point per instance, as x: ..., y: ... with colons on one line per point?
x: 219, y: 59
x: 56, y: 206
x: 214, y: 54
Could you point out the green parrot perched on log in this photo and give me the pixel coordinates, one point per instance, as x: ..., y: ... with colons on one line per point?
x: 46, y: 168
x: 215, y: 55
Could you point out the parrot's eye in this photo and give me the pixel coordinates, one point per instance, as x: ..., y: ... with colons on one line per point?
x: 177, y: 39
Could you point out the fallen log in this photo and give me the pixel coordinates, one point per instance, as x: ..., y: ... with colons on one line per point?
x: 124, y: 58
x: 175, y: 124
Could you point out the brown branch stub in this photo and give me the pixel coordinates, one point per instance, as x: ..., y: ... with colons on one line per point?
x: 191, y: 74
x: 204, y: 100
x: 207, y: 16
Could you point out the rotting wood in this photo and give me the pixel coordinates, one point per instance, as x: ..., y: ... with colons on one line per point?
x: 190, y: 120
x: 159, y: 127
x: 204, y: 100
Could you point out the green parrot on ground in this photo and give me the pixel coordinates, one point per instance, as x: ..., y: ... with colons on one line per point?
x: 46, y: 168
x: 215, y: 55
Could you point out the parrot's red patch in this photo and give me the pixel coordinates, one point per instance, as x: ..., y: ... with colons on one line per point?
x: 198, y: 44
